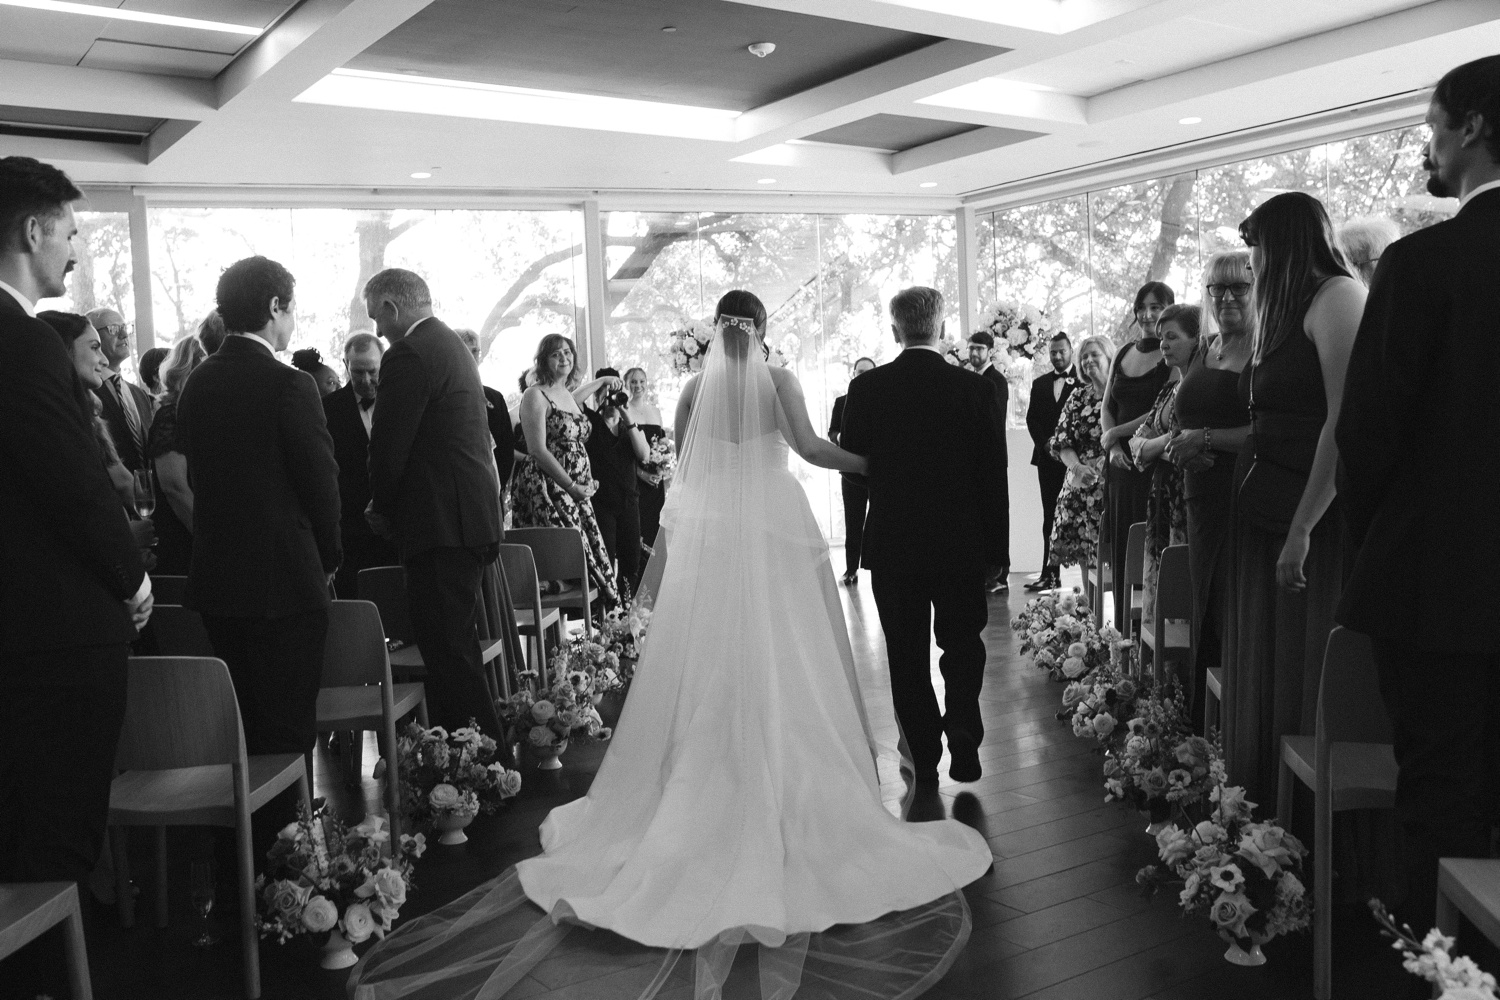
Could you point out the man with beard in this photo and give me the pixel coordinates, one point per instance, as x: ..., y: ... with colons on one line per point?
x: 1420, y: 481
x: 1048, y: 394
x: 350, y: 412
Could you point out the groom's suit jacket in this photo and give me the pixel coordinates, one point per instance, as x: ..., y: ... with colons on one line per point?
x: 933, y: 433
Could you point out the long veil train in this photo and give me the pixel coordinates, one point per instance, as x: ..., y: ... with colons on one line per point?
x: 738, y: 801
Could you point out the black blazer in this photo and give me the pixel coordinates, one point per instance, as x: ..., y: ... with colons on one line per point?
x: 119, y: 427
x: 1042, y: 412
x: 432, y: 470
x: 1002, y: 391
x: 265, y: 486
x: 1420, y: 473
x: 67, y: 558
x: 497, y: 415
x: 932, y: 433
x: 836, y: 420
x: 351, y: 449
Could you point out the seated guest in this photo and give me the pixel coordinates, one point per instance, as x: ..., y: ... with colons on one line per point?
x: 127, y: 407
x: 1364, y: 239
x: 211, y: 333
x: 310, y: 360
x: 86, y: 351
x: 350, y: 413
x: 652, y: 486
x: 1049, y: 393
x: 502, y: 431
x: 616, y: 448
x: 856, y: 492
x: 981, y: 347
x: 174, y: 494
x: 1076, y: 444
x: 150, y: 369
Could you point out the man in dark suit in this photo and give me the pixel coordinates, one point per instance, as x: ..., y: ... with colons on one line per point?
x: 127, y: 407
x: 265, y: 510
x: 1048, y: 394
x: 497, y: 416
x: 350, y: 413
x: 72, y: 587
x: 932, y: 434
x: 435, y: 490
x: 981, y: 346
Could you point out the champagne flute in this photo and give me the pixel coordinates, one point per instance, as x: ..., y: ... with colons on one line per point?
x: 145, y: 493
x: 203, y: 901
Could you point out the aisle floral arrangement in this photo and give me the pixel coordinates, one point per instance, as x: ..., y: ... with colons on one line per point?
x: 1057, y: 631
x: 548, y: 719
x: 1432, y: 958
x: 1019, y: 331
x: 322, y: 876
x: 1104, y: 704
x: 452, y: 774
x: 1160, y: 767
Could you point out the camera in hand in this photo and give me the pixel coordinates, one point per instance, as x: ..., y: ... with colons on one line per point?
x: 619, y: 398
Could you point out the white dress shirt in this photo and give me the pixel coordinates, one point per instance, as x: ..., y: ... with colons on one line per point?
x: 23, y: 300
x: 1492, y: 185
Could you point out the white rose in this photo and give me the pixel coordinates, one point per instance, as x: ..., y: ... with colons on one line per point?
x: 543, y: 710
x: 690, y: 347
x: 358, y: 923
x: 320, y: 914
x: 695, y: 364
x: 443, y: 796
x: 1104, y: 724
x: 510, y: 783
x: 390, y: 885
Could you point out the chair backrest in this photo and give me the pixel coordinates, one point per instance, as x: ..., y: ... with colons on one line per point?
x: 558, y: 552
x: 179, y: 631
x: 354, y: 652
x: 168, y: 589
x: 385, y: 587
x: 1174, y: 590
x: 180, y: 711
x: 519, y: 566
x: 1104, y: 578
x: 1350, y: 709
x: 1135, y: 556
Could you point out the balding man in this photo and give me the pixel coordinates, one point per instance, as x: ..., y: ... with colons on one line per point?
x: 127, y: 407
x: 350, y: 413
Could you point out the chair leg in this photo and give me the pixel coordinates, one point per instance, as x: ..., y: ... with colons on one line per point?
x: 1323, y: 899
x: 304, y: 789
x: 161, y: 876
x: 1285, y: 784
x: 386, y: 738
x: 422, y: 713
x: 78, y: 959
x: 249, y: 940
x: 1210, y: 713
x: 307, y: 769
x: 124, y: 898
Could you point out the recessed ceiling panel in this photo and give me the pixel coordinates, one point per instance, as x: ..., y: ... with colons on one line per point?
x: 892, y: 132
x: 48, y: 117
x: 156, y: 59
x: 44, y: 37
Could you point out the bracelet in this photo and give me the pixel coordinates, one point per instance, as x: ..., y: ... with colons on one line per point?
x: 1208, y: 439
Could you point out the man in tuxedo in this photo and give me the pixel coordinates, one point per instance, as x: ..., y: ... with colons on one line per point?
x: 350, y: 413
x: 435, y: 490
x: 932, y: 433
x: 1048, y: 394
x: 1419, y: 488
x: 72, y: 587
x: 981, y: 345
x: 127, y: 407
x: 265, y: 512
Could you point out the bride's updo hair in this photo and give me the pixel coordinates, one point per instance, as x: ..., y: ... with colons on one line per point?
x: 742, y: 303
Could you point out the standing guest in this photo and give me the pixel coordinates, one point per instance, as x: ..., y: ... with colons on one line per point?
x: 85, y: 348
x: 349, y: 413
x: 1213, y: 412
x: 856, y: 491
x: 72, y: 587
x: 616, y: 450
x: 434, y: 490
x: 1049, y: 394
x: 554, y: 484
x: 653, y: 486
x: 1420, y: 496
x: 310, y: 360
x: 1135, y: 380
x: 1364, y: 239
x: 497, y: 414
x: 127, y: 407
x: 164, y: 450
x: 150, y: 369
x: 1075, y: 443
x: 981, y: 348
x: 1289, y: 552
x: 265, y: 515
x: 211, y: 333
x: 932, y: 433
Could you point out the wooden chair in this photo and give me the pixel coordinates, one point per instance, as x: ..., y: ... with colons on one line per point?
x: 1134, y: 580
x: 180, y: 631
x: 357, y: 692
x: 1349, y: 763
x: 1470, y: 886
x: 1103, y: 577
x: 533, y: 621
x: 1171, y: 634
x: 168, y: 589
x: 385, y: 587
x: 30, y: 909
x: 183, y: 763
x: 560, y: 555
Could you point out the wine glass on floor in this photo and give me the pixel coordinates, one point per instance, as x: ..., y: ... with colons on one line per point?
x: 203, y: 901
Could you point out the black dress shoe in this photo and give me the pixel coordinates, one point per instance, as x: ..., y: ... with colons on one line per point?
x: 1040, y: 583
x: 1000, y: 586
x: 963, y: 764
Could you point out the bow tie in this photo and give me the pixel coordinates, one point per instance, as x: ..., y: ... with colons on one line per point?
x: 365, y: 404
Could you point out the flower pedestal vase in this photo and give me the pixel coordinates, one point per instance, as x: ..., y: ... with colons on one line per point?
x: 1237, y: 955
x: 547, y: 757
x: 450, y: 826
x: 338, y: 953
x: 1161, y: 815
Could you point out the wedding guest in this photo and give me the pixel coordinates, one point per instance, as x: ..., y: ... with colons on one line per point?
x: 150, y: 369
x: 1213, y: 412
x: 554, y: 483
x: 616, y: 449
x: 1364, y: 239
x: 1076, y: 444
x: 981, y: 350
x: 497, y: 414
x: 653, y: 486
x: 211, y: 333
x: 173, y: 515
x: 350, y: 413
x: 92, y: 365
x: 856, y: 492
x: 434, y: 490
x: 1049, y: 394
x: 310, y: 360
x: 127, y: 407
x: 1289, y: 559
x: 73, y: 590
x: 1419, y: 494
x: 1135, y: 380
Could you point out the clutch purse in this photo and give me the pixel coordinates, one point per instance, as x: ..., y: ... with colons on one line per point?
x: 1269, y: 496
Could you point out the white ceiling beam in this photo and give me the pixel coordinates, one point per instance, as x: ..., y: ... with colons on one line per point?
x: 899, y: 18
x: 104, y: 91
x: 65, y: 151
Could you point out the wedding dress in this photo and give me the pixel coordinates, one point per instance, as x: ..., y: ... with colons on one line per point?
x: 739, y: 800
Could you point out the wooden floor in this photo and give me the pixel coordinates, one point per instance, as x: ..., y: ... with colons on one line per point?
x: 1058, y: 917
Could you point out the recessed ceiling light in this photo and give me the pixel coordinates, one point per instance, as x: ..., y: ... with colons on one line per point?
x: 1189, y: 120
x: 669, y: 29
x: 421, y: 175
x: 928, y: 184
x: 766, y: 180
x: 121, y: 14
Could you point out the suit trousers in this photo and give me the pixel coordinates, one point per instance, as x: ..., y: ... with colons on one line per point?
x: 914, y: 607
x: 442, y: 592
x: 856, y: 505
x: 621, y: 528
x: 1443, y: 709
x: 60, y: 717
x: 363, y: 549
x: 277, y: 667
x: 1050, y: 476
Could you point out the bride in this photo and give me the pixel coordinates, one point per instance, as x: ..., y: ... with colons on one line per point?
x: 739, y: 797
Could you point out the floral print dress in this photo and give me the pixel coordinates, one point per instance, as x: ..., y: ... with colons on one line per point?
x: 1075, y: 528
x: 540, y: 503
x: 1166, y: 505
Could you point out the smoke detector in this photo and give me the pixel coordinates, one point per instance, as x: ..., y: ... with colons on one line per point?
x: 761, y: 49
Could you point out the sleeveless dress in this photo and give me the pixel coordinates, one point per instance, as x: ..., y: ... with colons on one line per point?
x: 1075, y: 526
x: 541, y: 503
x: 652, y: 497
x: 1127, y: 490
x: 174, y: 542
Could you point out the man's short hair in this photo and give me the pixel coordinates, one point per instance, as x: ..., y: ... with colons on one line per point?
x: 31, y: 188
x: 405, y: 288
x: 246, y: 289
x: 359, y: 342
x: 1473, y: 89
x: 982, y: 337
x: 917, y: 312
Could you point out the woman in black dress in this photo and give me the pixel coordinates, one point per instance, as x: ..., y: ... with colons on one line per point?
x: 174, y: 496
x: 651, y: 480
x: 1135, y: 381
x: 616, y: 447
x: 856, y: 495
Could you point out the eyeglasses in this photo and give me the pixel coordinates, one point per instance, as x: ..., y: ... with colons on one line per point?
x: 743, y: 322
x: 1238, y: 289
x: 116, y: 329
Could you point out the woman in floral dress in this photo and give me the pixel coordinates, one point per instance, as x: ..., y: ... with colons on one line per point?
x: 1075, y: 443
x: 553, y: 484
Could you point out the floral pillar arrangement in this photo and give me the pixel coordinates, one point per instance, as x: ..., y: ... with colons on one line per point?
x: 449, y: 778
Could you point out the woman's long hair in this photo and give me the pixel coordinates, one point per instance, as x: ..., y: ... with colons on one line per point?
x: 71, y: 326
x: 188, y: 353
x: 1298, y: 253
x: 541, y: 365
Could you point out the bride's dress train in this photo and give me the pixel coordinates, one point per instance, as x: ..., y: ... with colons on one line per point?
x: 739, y: 799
